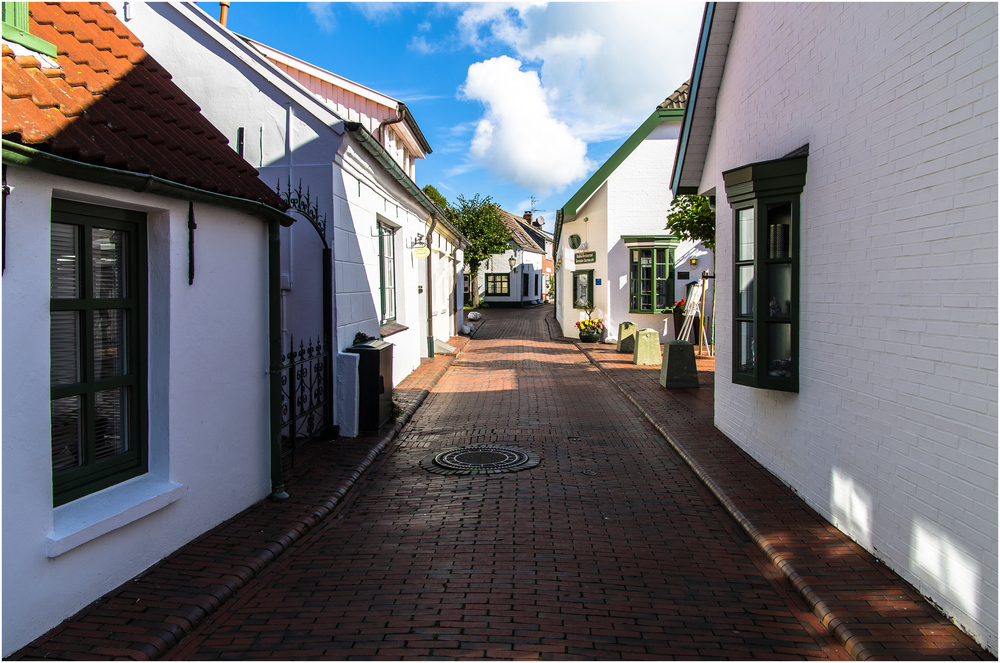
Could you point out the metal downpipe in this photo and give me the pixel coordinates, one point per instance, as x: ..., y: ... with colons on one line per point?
x: 430, y: 291
x: 274, y: 352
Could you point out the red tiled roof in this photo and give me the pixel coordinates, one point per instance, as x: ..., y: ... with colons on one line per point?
x: 679, y: 98
x: 518, y: 233
x: 110, y: 104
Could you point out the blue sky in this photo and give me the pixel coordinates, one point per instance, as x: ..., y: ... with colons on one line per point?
x: 516, y: 100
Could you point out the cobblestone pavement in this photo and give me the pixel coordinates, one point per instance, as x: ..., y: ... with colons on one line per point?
x: 612, y: 547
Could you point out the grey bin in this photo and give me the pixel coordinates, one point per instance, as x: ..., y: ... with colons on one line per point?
x: 374, y: 382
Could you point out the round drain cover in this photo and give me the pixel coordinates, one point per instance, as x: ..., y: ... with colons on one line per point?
x: 485, y: 459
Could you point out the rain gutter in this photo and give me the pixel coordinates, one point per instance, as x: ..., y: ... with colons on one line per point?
x: 28, y: 157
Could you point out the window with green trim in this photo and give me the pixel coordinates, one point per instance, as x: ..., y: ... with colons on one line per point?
x: 765, y: 201
x: 498, y: 285
x: 17, y: 28
x: 97, y: 347
x: 387, y: 271
x: 651, y: 279
x: 583, y: 289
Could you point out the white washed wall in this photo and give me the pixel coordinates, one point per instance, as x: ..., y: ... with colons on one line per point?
x: 208, y: 417
x: 893, y: 435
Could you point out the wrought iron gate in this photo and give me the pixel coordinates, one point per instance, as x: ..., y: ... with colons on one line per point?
x: 306, y: 410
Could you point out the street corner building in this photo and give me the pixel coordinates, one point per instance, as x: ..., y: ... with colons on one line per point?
x: 139, y: 254
x: 852, y: 154
x: 612, y: 251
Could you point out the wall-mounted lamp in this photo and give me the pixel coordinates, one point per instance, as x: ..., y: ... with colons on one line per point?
x: 694, y: 261
x: 512, y: 261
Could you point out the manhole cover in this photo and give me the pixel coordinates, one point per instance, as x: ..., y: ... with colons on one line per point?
x: 485, y: 459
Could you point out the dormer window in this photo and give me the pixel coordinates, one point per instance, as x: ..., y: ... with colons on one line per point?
x: 16, y: 28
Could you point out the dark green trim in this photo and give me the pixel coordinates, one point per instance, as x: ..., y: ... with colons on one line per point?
x: 692, y: 103
x: 651, y: 239
x: 373, y: 147
x: 765, y: 186
x: 590, y: 287
x: 28, y: 157
x: 658, y: 117
x: 94, y: 475
x: 17, y: 28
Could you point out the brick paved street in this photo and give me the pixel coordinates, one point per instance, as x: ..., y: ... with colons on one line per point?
x: 613, y: 547
x: 610, y: 548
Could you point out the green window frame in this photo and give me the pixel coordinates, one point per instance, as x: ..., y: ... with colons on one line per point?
x: 498, y: 285
x: 651, y: 279
x: 17, y: 28
x: 583, y: 289
x: 98, y: 346
x: 765, y: 199
x: 387, y: 272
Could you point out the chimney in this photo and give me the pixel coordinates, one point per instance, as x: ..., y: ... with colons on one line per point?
x: 223, y: 12
x: 527, y: 216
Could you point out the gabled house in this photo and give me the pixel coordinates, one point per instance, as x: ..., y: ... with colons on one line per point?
x: 517, y: 276
x: 344, y: 157
x: 139, y: 289
x: 612, y: 251
x: 852, y: 155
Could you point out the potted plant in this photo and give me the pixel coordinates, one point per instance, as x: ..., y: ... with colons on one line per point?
x: 591, y: 328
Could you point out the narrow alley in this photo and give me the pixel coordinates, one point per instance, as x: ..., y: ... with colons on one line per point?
x: 611, y: 547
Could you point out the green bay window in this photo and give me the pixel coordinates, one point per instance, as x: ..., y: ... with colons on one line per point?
x: 651, y: 273
x: 97, y: 347
x: 766, y: 220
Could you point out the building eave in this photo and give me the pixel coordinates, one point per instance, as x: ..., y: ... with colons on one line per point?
x: 706, y: 78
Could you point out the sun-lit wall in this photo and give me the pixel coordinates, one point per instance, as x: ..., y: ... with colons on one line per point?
x: 893, y: 435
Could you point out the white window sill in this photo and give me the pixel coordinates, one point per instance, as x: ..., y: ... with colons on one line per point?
x: 95, y: 515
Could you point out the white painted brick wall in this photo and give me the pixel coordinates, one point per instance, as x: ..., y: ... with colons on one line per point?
x: 898, y: 310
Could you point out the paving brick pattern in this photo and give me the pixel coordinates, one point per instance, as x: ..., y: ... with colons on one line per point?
x: 612, y: 547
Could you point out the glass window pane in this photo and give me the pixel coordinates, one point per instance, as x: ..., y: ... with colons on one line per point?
x: 661, y: 294
x: 109, y: 343
x: 745, y: 225
x: 64, y: 261
x: 779, y: 290
x: 744, y: 347
x: 746, y: 290
x: 108, y: 248
x: 581, y: 294
x: 64, y: 345
x: 779, y: 350
x: 66, y: 434
x: 110, y: 423
x: 779, y: 229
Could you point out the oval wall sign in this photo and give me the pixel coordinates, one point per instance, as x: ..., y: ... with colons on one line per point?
x: 421, y: 252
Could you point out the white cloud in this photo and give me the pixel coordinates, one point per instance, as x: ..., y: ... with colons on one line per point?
x: 604, y: 66
x: 323, y: 15
x: 518, y: 138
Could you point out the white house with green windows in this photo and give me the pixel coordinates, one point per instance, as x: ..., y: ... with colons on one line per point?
x: 373, y: 254
x: 611, y: 247
x: 856, y: 188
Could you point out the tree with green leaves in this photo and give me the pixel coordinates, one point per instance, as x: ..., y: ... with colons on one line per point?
x: 436, y: 196
x: 480, y: 221
x: 692, y: 217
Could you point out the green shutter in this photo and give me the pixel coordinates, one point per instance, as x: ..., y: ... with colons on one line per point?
x: 16, y: 28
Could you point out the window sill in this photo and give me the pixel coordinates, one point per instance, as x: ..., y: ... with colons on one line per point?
x: 391, y: 328
x: 95, y: 515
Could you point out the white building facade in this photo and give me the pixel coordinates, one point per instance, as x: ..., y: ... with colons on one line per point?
x: 857, y: 346
x: 612, y: 249
x: 357, y: 171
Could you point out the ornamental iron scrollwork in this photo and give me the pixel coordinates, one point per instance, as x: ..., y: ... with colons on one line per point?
x: 303, y: 205
x: 305, y: 400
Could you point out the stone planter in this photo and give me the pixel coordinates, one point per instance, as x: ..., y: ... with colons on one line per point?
x: 590, y: 336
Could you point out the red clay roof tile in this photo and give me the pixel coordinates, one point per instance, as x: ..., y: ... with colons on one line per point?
x: 111, y: 104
